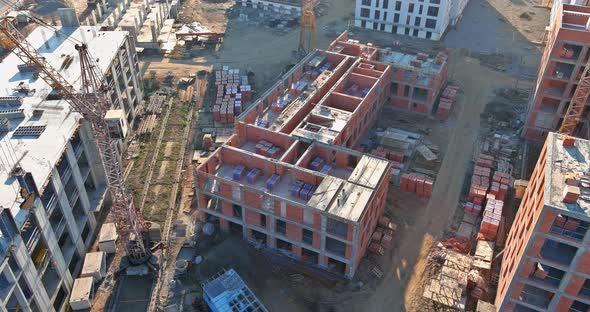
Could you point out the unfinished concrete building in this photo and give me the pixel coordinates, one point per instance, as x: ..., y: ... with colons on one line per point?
x: 48, y: 215
x: 562, y: 64
x: 546, y: 261
x: 287, y: 177
x: 416, y: 79
x: 285, y: 7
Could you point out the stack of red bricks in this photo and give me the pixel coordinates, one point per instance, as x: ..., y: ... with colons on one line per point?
x: 448, y: 97
x: 228, y: 102
x: 268, y: 149
x: 480, y: 181
x: 396, y: 158
x: 382, y: 238
x: 492, y: 215
x: 416, y: 183
x: 472, y: 208
x: 500, y: 185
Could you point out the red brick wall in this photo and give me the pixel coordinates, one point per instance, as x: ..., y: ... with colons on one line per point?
x: 521, y: 230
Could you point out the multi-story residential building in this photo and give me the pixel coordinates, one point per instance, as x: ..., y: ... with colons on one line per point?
x: 416, y: 80
x: 287, y: 178
x: 418, y: 18
x: 53, y: 184
x: 562, y: 64
x: 546, y: 261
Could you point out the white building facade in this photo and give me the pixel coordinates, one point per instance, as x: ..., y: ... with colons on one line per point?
x: 428, y: 19
x: 49, y: 207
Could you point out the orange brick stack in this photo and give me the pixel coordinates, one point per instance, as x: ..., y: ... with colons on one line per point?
x: 448, y: 97
x: 228, y: 102
x: 388, y: 154
x: 382, y: 238
x: 492, y: 215
x: 472, y: 209
x: 268, y: 149
x: 500, y: 185
x: 416, y: 183
x: 480, y: 181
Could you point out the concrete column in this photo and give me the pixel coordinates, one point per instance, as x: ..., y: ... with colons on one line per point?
x: 51, y: 240
x: 77, y: 176
x: 271, y: 221
x: 30, y: 275
x: 71, y: 225
x: 92, y: 18
x: 322, y: 256
x: 355, y: 241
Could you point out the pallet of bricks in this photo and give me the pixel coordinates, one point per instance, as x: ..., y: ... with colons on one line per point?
x: 233, y: 91
x: 417, y: 183
x: 447, y: 99
x: 382, y: 238
x: 395, y: 157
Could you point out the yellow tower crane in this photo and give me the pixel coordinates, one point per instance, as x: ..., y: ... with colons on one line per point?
x: 307, y: 27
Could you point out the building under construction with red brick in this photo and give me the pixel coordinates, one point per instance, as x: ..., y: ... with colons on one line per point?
x: 566, y: 53
x: 546, y: 261
x: 289, y: 177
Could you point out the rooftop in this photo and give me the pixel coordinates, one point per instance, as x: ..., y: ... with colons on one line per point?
x: 564, y: 162
x: 39, y: 153
x: 228, y: 292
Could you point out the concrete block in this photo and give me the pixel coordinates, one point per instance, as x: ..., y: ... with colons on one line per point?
x: 107, y: 238
x: 82, y: 294
x: 95, y: 265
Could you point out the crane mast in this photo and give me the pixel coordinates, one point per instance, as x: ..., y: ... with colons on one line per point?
x: 92, y: 104
x: 307, y: 27
x: 576, y: 108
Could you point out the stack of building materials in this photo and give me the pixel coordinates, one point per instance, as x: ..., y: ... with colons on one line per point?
x: 253, y: 175
x: 447, y: 99
x: 472, y: 209
x: 268, y: 149
x: 95, y: 265
x: 396, y: 157
x: 82, y: 295
x: 382, y: 238
x: 107, y: 239
x: 272, y: 182
x: 232, y: 91
x: 399, y: 140
x: 480, y: 181
x: 416, y: 183
x: 302, y: 190
x: 491, y: 219
x: 280, y: 103
x: 500, y: 185
x: 298, y: 87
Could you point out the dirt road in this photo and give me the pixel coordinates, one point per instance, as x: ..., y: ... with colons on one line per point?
x: 401, y: 285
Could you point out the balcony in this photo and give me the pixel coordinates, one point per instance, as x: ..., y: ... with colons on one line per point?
x: 547, y: 275
x: 558, y: 252
x: 67, y: 247
x: 30, y: 233
x: 5, y: 286
x: 578, y: 306
x: 65, y: 171
x: 536, y: 296
x: 49, y: 199
x: 570, y: 228
x: 562, y: 71
x: 51, y: 281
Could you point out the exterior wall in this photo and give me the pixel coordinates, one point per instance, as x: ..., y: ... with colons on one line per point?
x: 284, y: 7
x: 537, y: 240
x: 558, y: 75
x: 125, y: 75
x: 49, y: 252
x: 409, y: 17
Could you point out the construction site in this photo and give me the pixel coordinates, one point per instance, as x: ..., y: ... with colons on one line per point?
x: 294, y: 155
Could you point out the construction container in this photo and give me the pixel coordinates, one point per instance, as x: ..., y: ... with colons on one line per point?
x: 82, y: 295
x: 95, y: 265
x: 107, y: 238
